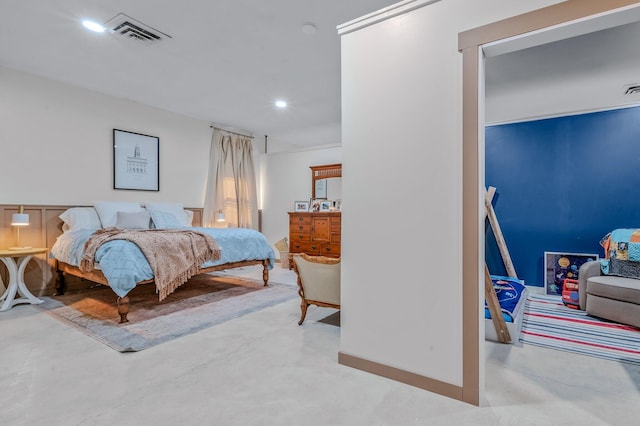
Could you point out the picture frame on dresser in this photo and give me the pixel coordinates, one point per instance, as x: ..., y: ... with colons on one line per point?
x: 314, y: 204
x: 136, y: 161
x: 325, y: 206
x: 301, y: 206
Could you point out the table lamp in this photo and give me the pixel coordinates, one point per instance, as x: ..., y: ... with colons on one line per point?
x: 19, y: 220
x: 219, y: 216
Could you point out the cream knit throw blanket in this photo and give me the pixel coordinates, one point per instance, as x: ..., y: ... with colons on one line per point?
x: 174, y: 255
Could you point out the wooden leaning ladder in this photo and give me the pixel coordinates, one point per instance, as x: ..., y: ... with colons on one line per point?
x: 489, y: 291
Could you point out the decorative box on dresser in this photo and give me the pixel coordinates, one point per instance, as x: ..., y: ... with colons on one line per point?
x: 316, y: 234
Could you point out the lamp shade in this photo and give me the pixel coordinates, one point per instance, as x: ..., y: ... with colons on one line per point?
x: 20, y: 219
x: 219, y: 216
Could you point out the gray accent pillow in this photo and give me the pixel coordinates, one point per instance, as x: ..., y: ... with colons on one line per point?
x: 133, y: 220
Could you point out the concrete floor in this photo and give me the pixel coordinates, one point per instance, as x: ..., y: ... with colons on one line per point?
x: 263, y: 369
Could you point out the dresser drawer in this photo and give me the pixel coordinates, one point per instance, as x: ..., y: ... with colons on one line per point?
x: 299, y: 220
x: 330, y: 250
x: 300, y: 237
x: 300, y: 227
x: 300, y: 247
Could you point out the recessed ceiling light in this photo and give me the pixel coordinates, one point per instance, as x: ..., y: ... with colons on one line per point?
x: 281, y: 104
x: 93, y: 26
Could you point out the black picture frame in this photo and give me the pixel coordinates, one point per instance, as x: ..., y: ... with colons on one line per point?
x: 136, y: 161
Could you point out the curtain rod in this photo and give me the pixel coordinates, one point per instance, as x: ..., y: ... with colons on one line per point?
x: 231, y: 131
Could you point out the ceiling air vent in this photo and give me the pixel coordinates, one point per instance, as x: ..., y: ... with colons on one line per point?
x: 633, y: 89
x: 132, y: 29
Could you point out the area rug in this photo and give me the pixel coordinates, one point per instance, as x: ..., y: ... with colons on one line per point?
x: 547, y: 322
x: 204, y: 301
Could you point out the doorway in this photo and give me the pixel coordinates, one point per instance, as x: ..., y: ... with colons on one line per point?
x: 557, y: 22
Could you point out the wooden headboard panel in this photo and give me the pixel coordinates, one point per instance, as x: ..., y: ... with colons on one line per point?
x: 44, y: 227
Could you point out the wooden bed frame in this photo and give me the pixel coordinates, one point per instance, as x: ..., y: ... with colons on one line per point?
x: 45, y: 227
x: 123, y: 302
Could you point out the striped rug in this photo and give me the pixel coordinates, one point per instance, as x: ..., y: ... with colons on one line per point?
x: 547, y: 322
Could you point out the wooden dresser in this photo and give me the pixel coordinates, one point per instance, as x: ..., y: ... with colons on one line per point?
x: 316, y: 234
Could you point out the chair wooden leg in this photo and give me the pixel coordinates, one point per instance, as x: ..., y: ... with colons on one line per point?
x: 303, y: 311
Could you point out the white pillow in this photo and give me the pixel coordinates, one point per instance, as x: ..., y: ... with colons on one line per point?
x: 175, y: 209
x: 80, y: 218
x: 189, y: 214
x: 133, y: 220
x: 108, y: 210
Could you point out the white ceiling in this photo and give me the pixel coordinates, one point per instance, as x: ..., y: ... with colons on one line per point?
x: 583, y: 73
x: 226, y: 62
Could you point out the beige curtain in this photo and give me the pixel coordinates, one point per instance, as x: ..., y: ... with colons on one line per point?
x: 231, y: 185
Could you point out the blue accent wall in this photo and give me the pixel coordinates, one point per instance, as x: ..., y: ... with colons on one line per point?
x: 561, y: 185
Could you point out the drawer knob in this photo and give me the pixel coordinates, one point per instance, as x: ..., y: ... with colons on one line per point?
x: 300, y: 227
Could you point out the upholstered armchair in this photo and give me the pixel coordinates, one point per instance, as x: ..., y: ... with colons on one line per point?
x: 318, y: 282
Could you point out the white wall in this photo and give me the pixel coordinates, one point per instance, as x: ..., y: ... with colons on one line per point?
x: 57, y: 145
x: 402, y: 137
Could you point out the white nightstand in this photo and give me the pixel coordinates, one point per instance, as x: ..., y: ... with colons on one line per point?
x: 16, y: 261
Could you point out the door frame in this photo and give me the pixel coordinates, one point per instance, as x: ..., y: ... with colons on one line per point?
x: 471, y: 44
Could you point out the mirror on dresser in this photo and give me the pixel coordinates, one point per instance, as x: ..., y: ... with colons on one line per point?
x: 326, y: 182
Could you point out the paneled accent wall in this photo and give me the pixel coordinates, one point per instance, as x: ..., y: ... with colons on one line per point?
x: 44, y: 227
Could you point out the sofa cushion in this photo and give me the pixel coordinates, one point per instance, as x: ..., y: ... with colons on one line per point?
x: 614, y: 310
x: 617, y: 288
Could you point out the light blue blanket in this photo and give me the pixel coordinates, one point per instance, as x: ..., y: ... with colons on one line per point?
x: 123, y: 263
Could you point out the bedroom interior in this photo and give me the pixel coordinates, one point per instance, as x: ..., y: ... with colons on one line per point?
x: 327, y: 345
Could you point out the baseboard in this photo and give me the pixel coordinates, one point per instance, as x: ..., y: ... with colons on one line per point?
x: 402, y: 376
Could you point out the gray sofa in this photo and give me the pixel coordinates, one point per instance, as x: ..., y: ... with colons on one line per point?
x: 608, y: 296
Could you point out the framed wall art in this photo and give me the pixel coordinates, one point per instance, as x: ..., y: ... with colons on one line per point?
x: 136, y: 161
x: 559, y: 266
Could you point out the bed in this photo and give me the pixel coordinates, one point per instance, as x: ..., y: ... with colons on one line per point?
x: 512, y: 295
x: 121, y: 264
